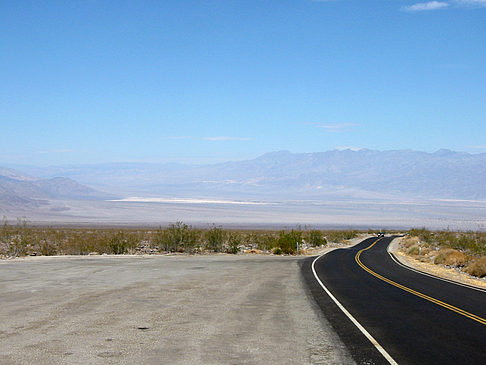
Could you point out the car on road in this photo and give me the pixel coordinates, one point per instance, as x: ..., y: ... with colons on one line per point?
x: 381, y: 234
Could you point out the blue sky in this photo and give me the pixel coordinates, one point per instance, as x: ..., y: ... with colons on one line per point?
x: 87, y: 81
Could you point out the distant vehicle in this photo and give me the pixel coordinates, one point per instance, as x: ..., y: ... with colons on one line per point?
x: 381, y: 234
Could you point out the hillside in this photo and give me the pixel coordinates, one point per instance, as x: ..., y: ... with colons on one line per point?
x: 20, y: 190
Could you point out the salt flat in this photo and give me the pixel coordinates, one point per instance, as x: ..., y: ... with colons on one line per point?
x: 362, y: 214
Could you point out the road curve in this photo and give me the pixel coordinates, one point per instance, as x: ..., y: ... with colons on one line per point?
x: 417, y: 319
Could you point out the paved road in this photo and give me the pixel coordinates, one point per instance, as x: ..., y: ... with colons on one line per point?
x: 242, y: 309
x: 388, y: 301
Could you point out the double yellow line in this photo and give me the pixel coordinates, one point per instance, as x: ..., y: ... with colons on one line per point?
x: 414, y: 292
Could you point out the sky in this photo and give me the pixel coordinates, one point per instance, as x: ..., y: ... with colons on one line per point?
x: 88, y: 81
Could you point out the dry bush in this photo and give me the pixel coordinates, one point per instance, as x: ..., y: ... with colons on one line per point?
x: 477, y: 267
x: 424, y: 254
x: 413, y: 250
x: 451, y: 257
x: 410, y: 241
x: 425, y: 251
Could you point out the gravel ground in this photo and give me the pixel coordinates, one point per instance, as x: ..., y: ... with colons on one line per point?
x: 244, y: 309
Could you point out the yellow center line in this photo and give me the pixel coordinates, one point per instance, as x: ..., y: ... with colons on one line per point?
x: 414, y: 292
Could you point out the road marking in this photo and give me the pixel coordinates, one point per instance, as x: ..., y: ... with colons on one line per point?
x: 414, y: 292
x: 355, y: 322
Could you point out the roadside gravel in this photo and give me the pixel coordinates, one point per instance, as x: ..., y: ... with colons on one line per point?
x: 244, y: 309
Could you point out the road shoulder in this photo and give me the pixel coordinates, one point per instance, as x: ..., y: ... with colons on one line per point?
x: 440, y: 271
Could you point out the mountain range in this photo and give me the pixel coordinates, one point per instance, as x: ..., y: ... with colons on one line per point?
x: 18, y: 189
x: 340, y: 174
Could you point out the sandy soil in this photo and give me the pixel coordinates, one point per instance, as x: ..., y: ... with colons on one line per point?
x: 438, y: 270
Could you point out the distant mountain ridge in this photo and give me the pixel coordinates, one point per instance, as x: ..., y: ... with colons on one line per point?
x: 370, y: 174
x: 18, y: 189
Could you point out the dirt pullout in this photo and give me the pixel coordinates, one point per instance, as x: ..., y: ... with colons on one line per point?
x: 244, y: 309
x: 437, y: 270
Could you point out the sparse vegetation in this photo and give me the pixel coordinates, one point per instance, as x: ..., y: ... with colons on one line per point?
x: 315, y: 238
x: 464, y: 250
x: 20, y: 239
x: 341, y: 236
x: 215, y: 239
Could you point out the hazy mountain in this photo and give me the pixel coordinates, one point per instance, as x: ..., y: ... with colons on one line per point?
x: 18, y: 189
x: 14, y: 174
x: 337, y: 173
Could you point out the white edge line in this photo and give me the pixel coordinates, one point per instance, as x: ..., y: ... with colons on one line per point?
x: 355, y: 322
x: 431, y: 275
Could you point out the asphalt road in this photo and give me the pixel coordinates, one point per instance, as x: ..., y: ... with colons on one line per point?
x: 412, y: 329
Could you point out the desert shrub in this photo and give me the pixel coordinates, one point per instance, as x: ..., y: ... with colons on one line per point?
x: 47, y: 248
x: 410, y: 241
x: 118, y: 243
x: 15, y: 238
x: 413, y: 250
x: 234, y: 241
x: 477, y: 267
x: 178, y: 237
x: 446, y: 239
x: 315, y: 238
x: 277, y: 251
x: 450, y: 257
x: 425, y: 251
x: 251, y: 240
x: 472, y: 242
x: 215, y: 238
x: 287, y: 241
x: 423, y: 234
x: 268, y: 241
x: 341, y: 236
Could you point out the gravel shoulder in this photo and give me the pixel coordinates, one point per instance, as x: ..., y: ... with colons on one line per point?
x: 437, y: 270
x: 244, y: 309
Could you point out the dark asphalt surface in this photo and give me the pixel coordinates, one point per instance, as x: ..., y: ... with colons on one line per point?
x: 411, y: 329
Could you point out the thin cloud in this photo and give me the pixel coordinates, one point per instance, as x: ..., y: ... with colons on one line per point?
x: 336, y: 127
x: 226, y: 138
x: 428, y: 6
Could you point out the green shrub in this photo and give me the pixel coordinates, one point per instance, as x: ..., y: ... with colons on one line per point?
x: 315, y: 238
x: 277, y: 251
x: 215, y: 238
x: 341, y: 236
x: 178, y: 237
x: 234, y: 240
x: 288, y: 241
x: 118, y: 244
x: 423, y: 234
